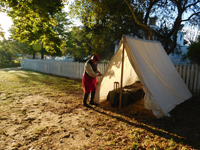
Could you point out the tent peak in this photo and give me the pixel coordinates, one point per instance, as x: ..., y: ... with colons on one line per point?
x: 123, y: 40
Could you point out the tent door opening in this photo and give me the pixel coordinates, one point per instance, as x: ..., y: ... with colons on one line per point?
x: 130, y: 94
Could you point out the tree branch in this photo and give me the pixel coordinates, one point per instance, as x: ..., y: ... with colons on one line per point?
x: 193, y: 4
x: 141, y: 24
x: 191, y: 16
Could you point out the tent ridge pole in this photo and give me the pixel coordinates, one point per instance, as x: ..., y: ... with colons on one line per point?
x: 122, y: 70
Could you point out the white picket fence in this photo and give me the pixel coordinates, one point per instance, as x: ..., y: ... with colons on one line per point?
x: 57, y: 67
x: 190, y: 73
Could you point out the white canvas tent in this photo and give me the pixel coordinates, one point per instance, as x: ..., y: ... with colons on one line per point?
x: 147, y: 62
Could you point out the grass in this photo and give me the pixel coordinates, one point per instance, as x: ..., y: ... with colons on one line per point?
x: 113, y: 128
x: 25, y: 83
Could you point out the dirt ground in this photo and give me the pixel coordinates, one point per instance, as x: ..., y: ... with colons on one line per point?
x: 36, y: 121
x: 60, y: 123
x: 39, y: 123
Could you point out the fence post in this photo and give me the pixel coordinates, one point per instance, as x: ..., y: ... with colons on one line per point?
x: 184, y: 72
x: 192, y: 77
x: 188, y: 75
x: 195, y: 80
x: 177, y: 67
x: 22, y: 63
x: 78, y: 70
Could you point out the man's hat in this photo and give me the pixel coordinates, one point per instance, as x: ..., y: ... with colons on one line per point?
x: 96, y: 57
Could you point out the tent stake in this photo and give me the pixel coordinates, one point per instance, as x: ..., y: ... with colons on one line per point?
x: 122, y: 70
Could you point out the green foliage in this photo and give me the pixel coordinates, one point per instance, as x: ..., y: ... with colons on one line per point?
x: 7, y: 53
x: 74, y: 46
x: 61, y: 30
x: 193, y: 53
x: 1, y: 32
x: 83, y: 42
x: 104, y: 23
x: 43, y: 8
x: 115, y: 18
x: 21, y: 48
x: 33, y: 21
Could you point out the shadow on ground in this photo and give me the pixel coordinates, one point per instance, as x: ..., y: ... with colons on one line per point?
x: 182, y: 127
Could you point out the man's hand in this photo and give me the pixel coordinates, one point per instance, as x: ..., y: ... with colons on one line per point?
x: 100, y: 74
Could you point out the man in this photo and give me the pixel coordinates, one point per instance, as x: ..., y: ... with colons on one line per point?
x: 89, y: 79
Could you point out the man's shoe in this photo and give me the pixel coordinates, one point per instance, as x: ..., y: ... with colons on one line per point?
x: 93, y: 103
x: 85, y: 100
x: 86, y: 105
x: 92, y: 98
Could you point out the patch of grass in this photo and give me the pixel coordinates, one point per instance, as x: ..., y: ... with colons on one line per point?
x: 98, y: 133
x: 25, y: 82
x: 39, y: 131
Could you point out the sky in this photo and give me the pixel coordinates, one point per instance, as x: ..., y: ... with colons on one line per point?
x: 6, y: 22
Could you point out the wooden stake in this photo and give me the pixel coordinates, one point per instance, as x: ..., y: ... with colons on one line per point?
x: 122, y: 70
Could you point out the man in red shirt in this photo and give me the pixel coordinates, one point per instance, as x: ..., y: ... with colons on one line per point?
x: 89, y: 79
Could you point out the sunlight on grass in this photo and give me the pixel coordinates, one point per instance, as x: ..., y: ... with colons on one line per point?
x: 23, y: 83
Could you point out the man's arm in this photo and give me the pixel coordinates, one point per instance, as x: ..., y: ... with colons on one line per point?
x: 99, y: 72
x: 89, y: 70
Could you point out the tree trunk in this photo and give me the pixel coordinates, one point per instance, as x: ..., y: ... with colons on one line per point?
x: 33, y: 55
x: 42, y: 55
x: 174, y: 33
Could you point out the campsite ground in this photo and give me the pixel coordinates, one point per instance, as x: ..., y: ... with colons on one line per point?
x: 40, y: 111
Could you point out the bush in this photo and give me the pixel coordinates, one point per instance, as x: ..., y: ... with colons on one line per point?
x: 193, y: 53
x: 15, y: 63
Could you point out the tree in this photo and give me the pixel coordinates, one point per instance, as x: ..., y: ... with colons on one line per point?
x: 83, y: 42
x: 105, y: 22
x: 61, y: 30
x: 173, y: 14
x: 139, y: 23
x: 34, y: 20
x: 170, y: 14
x: 74, y: 47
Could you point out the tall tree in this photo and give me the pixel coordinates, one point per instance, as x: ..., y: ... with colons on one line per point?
x: 61, y: 30
x: 170, y: 13
x: 173, y: 14
x: 84, y: 42
x: 33, y: 20
x: 106, y: 22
